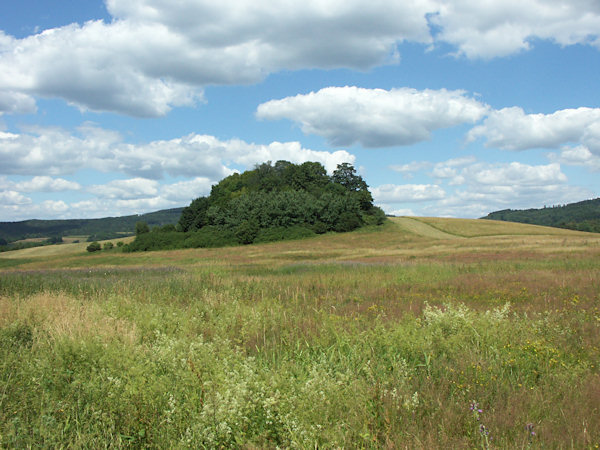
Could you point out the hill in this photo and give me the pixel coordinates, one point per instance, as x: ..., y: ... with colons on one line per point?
x: 581, y: 216
x: 103, y: 228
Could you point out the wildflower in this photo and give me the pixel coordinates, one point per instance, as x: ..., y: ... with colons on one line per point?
x: 483, y: 430
x: 529, y: 429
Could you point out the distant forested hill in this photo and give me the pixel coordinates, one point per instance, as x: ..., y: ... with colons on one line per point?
x: 582, y: 216
x: 104, y: 228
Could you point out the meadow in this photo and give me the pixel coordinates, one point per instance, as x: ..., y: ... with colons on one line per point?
x: 421, y: 333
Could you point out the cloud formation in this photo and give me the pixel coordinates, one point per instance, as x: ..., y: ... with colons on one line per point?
x: 156, y: 55
x: 392, y: 193
x: 53, y: 151
x: 48, y: 154
x: 473, y: 188
x: 498, y: 28
x: 375, y: 117
x: 512, y: 129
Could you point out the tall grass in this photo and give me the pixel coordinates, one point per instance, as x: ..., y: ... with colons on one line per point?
x: 303, y: 346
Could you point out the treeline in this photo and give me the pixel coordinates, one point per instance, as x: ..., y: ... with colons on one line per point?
x: 272, y: 202
x: 7, y: 247
x: 581, y: 216
x: 96, y: 229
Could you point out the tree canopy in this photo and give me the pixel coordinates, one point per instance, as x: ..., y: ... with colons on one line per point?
x: 272, y: 202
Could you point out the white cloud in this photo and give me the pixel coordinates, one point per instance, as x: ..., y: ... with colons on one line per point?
x: 512, y: 129
x: 577, y: 156
x: 16, y: 103
x: 501, y: 27
x: 51, y: 151
x: 487, y: 187
x: 155, y: 55
x: 47, y: 184
x: 134, y: 188
x: 204, y: 159
x: 375, y: 117
x: 159, y: 54
x: 414, y: 166
x: 13, y: 198
x: 393, y: 193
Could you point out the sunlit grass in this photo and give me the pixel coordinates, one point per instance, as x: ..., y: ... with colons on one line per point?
x: 380, y: 338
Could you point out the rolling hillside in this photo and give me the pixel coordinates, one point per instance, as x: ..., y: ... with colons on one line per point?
x: 582, y: 216
x: 105, y: 227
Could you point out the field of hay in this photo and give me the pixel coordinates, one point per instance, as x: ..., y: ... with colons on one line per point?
x: 422, y: 333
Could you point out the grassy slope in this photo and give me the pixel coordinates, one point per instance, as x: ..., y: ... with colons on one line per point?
x: 381, y: 337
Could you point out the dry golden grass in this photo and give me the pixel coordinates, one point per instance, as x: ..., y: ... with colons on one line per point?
x: 479, y: 227
x: 61, y: 250
x: 399, y: 241
x: 60, y: 316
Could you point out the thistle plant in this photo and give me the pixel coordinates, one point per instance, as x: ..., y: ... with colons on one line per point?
x: 484, y: 432
x: 529, y: 428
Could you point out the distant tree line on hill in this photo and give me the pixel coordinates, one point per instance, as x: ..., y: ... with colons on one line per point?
x: 272, y: 202
x: 581, y: 216
x: 96, y: 229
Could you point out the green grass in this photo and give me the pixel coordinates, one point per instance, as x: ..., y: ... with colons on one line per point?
x: 379, y: 338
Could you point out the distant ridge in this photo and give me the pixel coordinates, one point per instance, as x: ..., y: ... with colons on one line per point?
x: 581, y: 216
x: 107, y: 226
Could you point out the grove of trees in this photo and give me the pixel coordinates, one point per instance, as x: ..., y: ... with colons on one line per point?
x: 271, y: 202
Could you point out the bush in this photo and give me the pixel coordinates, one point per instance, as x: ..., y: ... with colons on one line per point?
x: 246, y: 232
x: 108, y: 246
x: 348, y: 221
x: 283, y: 233
x: 208, y: 237
x: 141, y: 228
x: 94, y: 247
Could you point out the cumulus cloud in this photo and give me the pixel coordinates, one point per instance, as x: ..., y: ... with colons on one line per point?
x: 466, y: 187
x: 52, y: 151
x: 512, y: 129
x: 16, y: 103
x: 47, y: 184
x: 155, y: 55
x: 200, y: 160
x: 126, y: 189
x: 414, y: 166
x: 13, y: 198
x: 486, y: 187
x: 502, y: 27
x: 393, y: 193
x: 577, y: 156
x: 375, y: 117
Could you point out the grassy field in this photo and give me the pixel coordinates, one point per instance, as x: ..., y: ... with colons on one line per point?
x: 422, y: 333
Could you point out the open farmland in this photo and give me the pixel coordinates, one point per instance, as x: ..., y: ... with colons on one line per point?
x: 422, y: 333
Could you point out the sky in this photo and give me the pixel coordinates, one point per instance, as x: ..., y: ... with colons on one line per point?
x: 447, y: 108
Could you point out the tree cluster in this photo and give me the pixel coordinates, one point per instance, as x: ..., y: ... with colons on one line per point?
x: 273, y: 202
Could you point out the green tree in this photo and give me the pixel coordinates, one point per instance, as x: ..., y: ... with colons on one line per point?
x: 346, y: 176
x: 141, y: 228
x: 94, y: 247
x: 195, y: 216
x: 246, y: 232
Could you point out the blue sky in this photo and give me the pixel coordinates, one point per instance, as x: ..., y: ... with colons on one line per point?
x: 447, y: 108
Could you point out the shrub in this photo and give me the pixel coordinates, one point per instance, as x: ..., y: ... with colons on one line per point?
x: 283, y: 233
x: 94, y: 247
x: 208, y: 237
x: 246, y: 232
x: 108, y: 246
